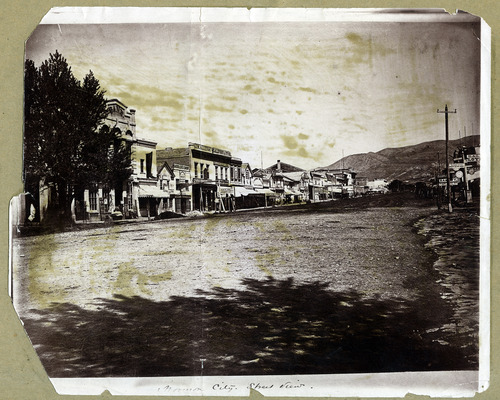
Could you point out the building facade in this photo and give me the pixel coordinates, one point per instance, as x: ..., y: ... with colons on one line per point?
x: 134, y: 196
x: 211, y: 176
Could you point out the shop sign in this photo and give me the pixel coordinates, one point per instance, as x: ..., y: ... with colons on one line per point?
x: 223, y: 191
x: 457, y: 166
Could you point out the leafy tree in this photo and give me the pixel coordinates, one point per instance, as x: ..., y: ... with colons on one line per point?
x: 396, y: 185
x: 65, y: 141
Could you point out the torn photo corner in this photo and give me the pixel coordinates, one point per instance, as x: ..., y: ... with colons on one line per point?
x: 220, y: 200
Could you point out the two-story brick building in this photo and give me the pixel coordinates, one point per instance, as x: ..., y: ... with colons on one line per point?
x: 211, y: 176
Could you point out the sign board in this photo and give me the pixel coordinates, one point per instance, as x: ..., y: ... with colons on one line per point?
x: 459, y: 174
x: 180, y: 166
x: 453, y: 182
x: 473, y: 157
x: 456, y: 166
x: 225, y: 191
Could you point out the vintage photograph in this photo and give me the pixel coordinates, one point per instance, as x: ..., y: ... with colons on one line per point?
x: 254, y: 194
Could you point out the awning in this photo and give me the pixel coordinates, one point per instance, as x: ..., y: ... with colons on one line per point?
x: 152, y: 191
x: 241, y: 191
x: 267, y: 192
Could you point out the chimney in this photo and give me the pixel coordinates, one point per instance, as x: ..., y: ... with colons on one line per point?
x: 278, y: 165
x: 132, y: 115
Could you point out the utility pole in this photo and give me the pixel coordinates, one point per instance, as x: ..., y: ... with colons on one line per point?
x: 448, y: 186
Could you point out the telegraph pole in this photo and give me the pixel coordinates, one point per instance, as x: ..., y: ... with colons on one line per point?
x: 448, y: 186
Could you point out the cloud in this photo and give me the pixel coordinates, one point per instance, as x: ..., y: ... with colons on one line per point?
x: 145, y: 96
x: 354, y: 38
x: 308, y: 89
x: 290, y: 142
x: 247, y: 77
x: 214, y: 107
x: 252, y: 89
x: 274, y: 81
x: 363, y: 50
x: 301, y: 153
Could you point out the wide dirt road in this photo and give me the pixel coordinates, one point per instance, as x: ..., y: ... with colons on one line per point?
x: 340, y: 287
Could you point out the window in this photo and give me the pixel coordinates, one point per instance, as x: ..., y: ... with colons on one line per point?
x: 93, y: 201
x: 196, y: 170
x: 216, y: 173
x: 149, y: 165
x: 142, y: 166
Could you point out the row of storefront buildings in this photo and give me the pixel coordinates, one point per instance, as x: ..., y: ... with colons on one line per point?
x: 196, y: 177
x: 201, y: 178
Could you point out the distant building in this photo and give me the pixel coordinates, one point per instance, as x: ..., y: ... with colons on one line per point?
x: 318, y: 190
x: 296, y: 186
x: 211, y: 176
x: 377, y: 186
x: 465, y: 172
x: 175, y: 181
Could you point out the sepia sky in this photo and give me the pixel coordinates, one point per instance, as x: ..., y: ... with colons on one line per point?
x: 301, y: 92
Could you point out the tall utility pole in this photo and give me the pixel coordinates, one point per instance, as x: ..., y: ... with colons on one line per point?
x: 448, y: 186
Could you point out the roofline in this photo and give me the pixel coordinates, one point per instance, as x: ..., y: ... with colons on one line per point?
x: 146, y: 142
x: 165, y: 165
x: 116, y: 101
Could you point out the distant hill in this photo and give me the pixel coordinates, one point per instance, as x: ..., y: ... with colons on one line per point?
x: 410, y: 163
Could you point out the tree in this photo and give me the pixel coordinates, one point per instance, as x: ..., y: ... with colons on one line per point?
x: 65, y: 141
x: 395, y: 185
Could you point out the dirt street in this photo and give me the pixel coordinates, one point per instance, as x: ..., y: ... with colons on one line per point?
x: 349, y: 286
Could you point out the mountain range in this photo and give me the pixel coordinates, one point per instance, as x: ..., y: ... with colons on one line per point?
x: 410, y: 163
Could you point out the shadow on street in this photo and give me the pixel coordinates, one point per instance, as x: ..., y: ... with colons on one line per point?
x: 270, y: 327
